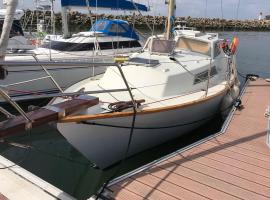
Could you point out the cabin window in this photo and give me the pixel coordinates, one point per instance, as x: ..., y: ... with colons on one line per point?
x: 193, y: 45
x: 99, y: 26
x: 115, y: 28
x: 126, y: 26
x: 204, y: 75
x: 216, y: 49
x: 162, y: 46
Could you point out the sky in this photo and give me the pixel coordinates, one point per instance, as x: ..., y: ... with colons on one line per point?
x: 248, y: 9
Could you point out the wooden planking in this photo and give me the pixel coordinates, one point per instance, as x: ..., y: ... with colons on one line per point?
x: 177, y: 191
x: 235, y: 165
x: 162, y: 177
x: 224, y: 185
x: 43, y: 115
x: 144, y: 190
x: 229, y: 169
x: 202, y: 172
x: 124, y: 194
x: 232, y: 162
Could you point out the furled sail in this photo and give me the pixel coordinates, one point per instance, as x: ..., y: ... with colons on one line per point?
x: 110, y: 4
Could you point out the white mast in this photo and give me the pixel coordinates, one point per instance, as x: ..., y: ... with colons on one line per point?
x: 52, y: 17
x: 170, y: 17
x: 11, y: 8
x: 65, y: 22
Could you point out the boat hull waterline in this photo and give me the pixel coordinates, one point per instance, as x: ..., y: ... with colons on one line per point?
x: 106, y: 143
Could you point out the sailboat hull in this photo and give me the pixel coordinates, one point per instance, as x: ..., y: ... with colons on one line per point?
x: 106, y: 143
x: 65, y: 76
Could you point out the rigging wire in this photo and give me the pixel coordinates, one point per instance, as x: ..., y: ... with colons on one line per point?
x: 145, y: 20
x: 122, y: 161
x: 125, y: 154
x: 89, y: 12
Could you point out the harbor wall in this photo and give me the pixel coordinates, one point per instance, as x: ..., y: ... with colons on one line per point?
x: 79, y: 21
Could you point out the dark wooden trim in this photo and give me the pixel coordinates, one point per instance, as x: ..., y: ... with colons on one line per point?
x: 42, y: 116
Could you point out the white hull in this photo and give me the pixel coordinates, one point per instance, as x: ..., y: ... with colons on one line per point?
x: 65, y: 76
x: 179, y: 94
x: 105, y: 145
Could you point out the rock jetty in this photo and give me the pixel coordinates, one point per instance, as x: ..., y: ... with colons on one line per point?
x: 79, y: 21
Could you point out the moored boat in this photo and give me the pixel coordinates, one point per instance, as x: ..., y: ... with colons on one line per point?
x: 101, y: 43
x: 17, y: 40
x: 178, y: 86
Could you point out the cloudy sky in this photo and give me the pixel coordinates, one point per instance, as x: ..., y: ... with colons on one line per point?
x: 248, y: 9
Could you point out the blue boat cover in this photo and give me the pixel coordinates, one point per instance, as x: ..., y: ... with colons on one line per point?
x: 113, y: 4
x: 115, y: 27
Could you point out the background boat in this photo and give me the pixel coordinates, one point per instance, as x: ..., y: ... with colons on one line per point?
x: 107, y: 39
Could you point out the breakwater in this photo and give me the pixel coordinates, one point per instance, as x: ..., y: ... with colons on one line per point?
x: 79, y: 21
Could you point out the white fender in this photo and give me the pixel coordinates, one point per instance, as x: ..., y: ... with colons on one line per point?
x: 235, y: 91
x: 225, y: 105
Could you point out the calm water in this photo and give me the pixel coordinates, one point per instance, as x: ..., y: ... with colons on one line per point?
x: 54, y: 160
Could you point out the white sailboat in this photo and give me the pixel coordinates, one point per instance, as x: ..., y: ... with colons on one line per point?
x: 17, y: 40
x: 105, y: 38
x: 101, y: 43
x: 175, y: 87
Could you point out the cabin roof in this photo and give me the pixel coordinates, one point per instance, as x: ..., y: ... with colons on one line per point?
x: 114, y: 27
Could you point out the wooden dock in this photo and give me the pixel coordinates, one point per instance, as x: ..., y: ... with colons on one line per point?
x: 231, y: 165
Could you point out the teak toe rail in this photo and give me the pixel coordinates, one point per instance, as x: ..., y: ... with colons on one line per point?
x: 44, y: 115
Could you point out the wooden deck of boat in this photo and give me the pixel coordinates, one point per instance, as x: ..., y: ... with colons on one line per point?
x: 233, y: 165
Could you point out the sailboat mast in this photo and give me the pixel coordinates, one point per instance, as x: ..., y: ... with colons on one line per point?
x: 65, y: 22
x: 170, y: 18
x: 11, y: 6
x: 52, y: 17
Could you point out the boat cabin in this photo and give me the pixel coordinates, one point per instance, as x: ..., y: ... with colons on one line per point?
x: 16, y: 29
x: 114, y: 28
x: 207, y: 45
x: 17, y: 40
x: 111, y: 34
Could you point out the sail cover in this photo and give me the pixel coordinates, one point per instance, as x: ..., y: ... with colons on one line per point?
x: 110, y: 4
